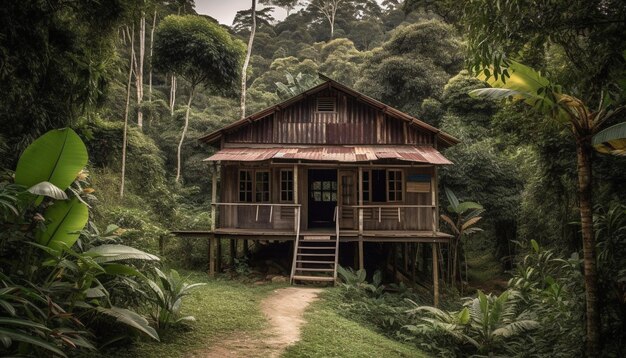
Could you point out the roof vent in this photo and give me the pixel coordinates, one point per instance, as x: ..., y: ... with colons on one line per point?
x: 326, y: 104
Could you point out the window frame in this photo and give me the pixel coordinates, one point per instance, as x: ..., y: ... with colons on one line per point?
x: 269, y: 186
x: 287, y: 191
x: 250, y: 181
x: 253, y: 180
x: 368, y: 183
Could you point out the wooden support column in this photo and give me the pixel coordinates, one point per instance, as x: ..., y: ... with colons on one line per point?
x: 213, y: 239
x: 246, y: 249
x: 435, y: 275
x: 360, y: 187
x: 233, y: 252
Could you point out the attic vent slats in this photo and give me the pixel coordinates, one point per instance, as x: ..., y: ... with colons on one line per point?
x: 326, y: 104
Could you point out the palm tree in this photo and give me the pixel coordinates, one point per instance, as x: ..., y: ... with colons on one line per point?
x: 528, y: 86
x: 461, y: 218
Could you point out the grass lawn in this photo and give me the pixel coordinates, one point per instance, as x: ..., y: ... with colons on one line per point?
x: 221, y: 307
x: 327, y: 334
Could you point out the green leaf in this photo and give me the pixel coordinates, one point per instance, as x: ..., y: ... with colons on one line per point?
x: 535, y: 245
x: 48, y: 189
x: 611, y: 140
x: 108, y: 253
x: 56, y: 157
x: 467, y: 205
x: 64, y: 221
x: 452, y: 199
x: 30, y: 339
x: 131, y: 319
x: 120, y: 269
x: 464, y: 316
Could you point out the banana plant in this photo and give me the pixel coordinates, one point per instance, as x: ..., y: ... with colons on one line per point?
x: 461, y: 219
x: 486, y: 322
x: 167, y: 297
x: 521, y: 83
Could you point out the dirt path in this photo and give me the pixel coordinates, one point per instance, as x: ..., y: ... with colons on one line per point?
x: 284, y: 310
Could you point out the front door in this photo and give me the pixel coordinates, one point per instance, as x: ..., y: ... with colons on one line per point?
x: 347, y: 198
x: 322, y: 197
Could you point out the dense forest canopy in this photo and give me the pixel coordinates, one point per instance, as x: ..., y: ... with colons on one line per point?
x: 140, y: 82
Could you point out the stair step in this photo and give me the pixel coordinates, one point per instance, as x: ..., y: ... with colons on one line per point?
x: 315, y: 269
x: 314, y: 262
x: 313, y: 278
x: 305, y: 254
x: 316, y: 247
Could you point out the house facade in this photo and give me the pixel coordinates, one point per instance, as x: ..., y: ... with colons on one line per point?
x: 328, y: 166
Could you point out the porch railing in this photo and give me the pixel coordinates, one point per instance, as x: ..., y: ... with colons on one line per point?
x: 255, y: 217
x: 377, y: 213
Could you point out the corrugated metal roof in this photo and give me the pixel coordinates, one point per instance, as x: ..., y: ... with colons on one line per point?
x: 408, y: 153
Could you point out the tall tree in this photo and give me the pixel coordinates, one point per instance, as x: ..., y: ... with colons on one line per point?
x: 329, y: 9
x: 244, y: 69
x: 202, y: 53
x: 288, y: 5
x: 528, y: 86
x: 244, y: 19
x: 131, y: 36
x: 154, y: 18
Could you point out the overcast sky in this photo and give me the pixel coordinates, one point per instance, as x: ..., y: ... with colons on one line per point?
x: 224, y: 10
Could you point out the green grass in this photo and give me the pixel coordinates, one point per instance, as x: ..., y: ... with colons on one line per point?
x: 328, y: 334
x: 485, y: 272
x: 221, y: 307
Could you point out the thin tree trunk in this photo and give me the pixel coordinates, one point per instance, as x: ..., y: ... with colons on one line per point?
x: 151, y: 50
x: 182, y: 137
x: 244, y: 75
x: 139, y: 70
x: 172, y: 94
x: 125, y: 137
x: 584, y: 153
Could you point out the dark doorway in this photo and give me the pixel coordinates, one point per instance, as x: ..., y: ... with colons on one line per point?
x: 322, y: 197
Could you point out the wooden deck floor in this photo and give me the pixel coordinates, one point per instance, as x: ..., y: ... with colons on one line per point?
x: 344, y: 235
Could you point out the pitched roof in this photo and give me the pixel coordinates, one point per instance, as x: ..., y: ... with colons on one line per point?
x: 446, y: 139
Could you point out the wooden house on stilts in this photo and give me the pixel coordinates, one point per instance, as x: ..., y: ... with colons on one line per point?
x: 327, y: 167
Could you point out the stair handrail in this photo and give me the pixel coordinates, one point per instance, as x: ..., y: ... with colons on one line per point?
x: 336, y: 245
x: 295, y: 245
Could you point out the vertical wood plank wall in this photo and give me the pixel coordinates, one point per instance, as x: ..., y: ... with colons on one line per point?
x: 354, y: 122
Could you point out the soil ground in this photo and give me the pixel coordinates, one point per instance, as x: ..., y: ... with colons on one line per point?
x: 284, y: 310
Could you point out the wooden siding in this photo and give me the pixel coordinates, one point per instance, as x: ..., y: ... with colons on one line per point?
x: 354, y: 122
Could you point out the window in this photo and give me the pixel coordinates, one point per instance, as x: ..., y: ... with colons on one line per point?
x: 394, y: 185
x: 380, y: 185
x: 366, y: 186
x: 326, y: 104
x: 379, y: 177
x: 347, y: 187
x: 262, y: 186
x: 259, y: 190
x: 324, y: 191
x: 286, y: 185
x: 245, y: 186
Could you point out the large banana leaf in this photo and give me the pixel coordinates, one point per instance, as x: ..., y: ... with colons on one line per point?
x: 109, y: 253
x: 56, y: 157
x: 611, y: 140
x: 64, y: 220
x: 131, y: 319
x: 526, y: 85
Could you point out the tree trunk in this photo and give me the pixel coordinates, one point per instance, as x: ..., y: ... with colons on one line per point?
x: 182, y: 137
x: 151, y: 50
x: 172, y: 94
x: 247, y: 61
x: 139, y: 70
x: 125, y: 137
x: 584, y: 153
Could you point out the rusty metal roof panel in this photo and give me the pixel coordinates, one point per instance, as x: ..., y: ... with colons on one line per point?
x: 346, y: 154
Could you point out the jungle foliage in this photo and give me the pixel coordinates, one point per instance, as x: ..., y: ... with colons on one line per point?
x: 73, y: 64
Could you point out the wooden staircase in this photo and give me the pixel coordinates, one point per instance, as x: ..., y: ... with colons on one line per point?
x: 315, y: 258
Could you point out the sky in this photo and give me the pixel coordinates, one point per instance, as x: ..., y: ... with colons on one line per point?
x: 224, y: 10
